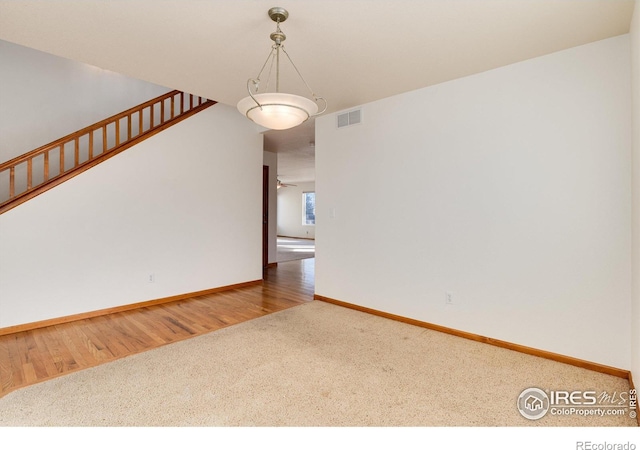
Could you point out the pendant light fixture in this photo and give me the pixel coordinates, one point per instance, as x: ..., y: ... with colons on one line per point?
x: 278, y: 110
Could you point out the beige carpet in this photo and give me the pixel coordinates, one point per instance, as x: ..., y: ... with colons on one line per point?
x: 293, y: 249
x: 312, y: 365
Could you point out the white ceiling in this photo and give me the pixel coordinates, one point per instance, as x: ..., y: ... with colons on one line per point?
x: 350, y: 51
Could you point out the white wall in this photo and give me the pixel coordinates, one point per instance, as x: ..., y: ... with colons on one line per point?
x: 50, y: 97
x: 271, y: 159
x: 290, y: 211
x: 163, y: 207
x: 511, y: 189
x: 635, y: 72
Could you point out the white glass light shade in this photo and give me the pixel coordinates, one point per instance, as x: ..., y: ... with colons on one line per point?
x: 278, y: 111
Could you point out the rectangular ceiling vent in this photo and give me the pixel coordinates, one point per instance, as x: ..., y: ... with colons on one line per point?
x: 349, y: 118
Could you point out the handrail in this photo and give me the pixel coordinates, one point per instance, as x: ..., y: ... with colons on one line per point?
x: 25, y: 181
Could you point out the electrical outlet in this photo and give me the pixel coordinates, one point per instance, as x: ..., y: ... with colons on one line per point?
x: 448, y: 298
x: 151, y: 278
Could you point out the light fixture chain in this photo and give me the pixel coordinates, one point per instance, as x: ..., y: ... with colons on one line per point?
x: 278, y: 68
x: 264, y: 65
x: 272, y: 56
x: 299, y: 74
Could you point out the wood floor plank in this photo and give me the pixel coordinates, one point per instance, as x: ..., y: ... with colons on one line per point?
x: 45, y: 356
x: 94, y: 340
x: 188, y: 318
x: 73, y: 347
x: 5, y: 366
x: 127, y: 335
x: 29, y: 372
x: 39, y: 368
x: 64, y: 360
x: 38, y: 355
x: 104, y: 331
x: 148, y: 329
x: 87, y: 352
x: 15, y: 363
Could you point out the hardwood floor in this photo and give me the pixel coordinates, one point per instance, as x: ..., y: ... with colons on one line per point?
x: 33, y: 356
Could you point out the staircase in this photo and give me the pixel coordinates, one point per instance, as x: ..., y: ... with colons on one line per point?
x: 39, y: 170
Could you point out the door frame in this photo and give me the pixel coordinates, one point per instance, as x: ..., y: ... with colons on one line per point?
x: 265, y: 217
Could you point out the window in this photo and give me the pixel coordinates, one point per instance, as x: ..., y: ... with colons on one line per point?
x: 308, y: 208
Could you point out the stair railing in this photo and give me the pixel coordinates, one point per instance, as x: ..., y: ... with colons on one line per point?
x: 37, y: 171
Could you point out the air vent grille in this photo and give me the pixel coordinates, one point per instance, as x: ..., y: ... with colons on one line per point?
x: 349, y: 118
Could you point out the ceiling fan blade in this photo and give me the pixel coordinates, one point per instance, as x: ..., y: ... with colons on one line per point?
x: 281, y: 184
